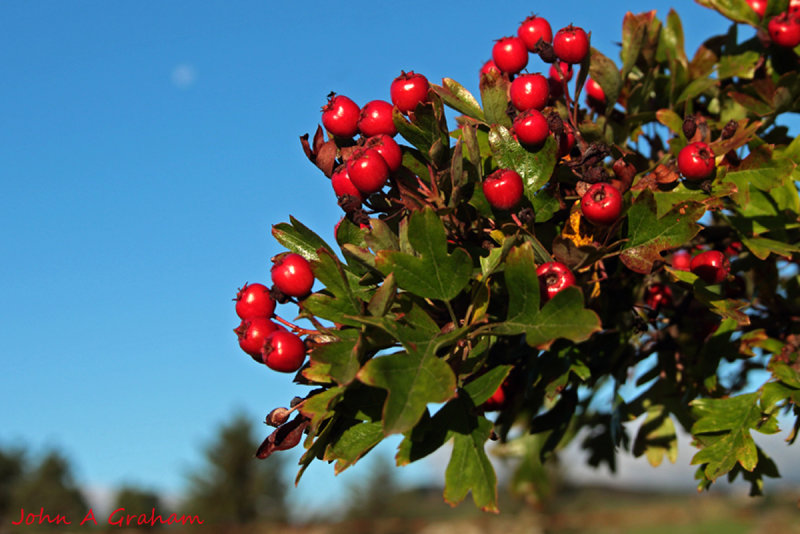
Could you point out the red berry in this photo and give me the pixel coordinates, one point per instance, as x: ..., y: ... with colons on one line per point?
x: 292, y: 275
x: 254, y: 300
x: 711, y: 266
x: 488, y: 67
x: 571, y: 44
x: 376, y: 119
x: 503, y: 189
x: 529, y: 91
x: 794, y: 5
x: 283, y: 351
x: 342, y: 185
x: 554, y: 277
x: 388, y: 149
x: 784, y: 29
x: 340, y: 116
x: 531, y: 128
x: 565, y: 68
x: 759, y: 6
x: 658, y: 296
x: 510, y: 54
x: 696, y: 161
x: 594, y: 92
x: 408, y: 90
x: 497, y: 401
x: 566, y: 141
x: 681, y: 260
x: 601, y: 204
x: 367, y: 170
x: 252, y: 333
x: 532, y: 29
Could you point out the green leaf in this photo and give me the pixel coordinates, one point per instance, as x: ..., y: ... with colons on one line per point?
x: 457, y: 97
x: 656, y: 437
x: 739, y: 66
x: 562, y: 317
x: 334, y: 309
x: 523, y: 284
x: 383, y: 298
x: 494, y: 95
x: 338, y: 359
x: 299, y: 239
x: 604, y: 71
x: 736, y: 10
x: 671, y: 120
x: 723, y: 428
x: 435, y: 273
x: 484, y: 386
x: 469, y: 469
x: 649, y: 235
x: 634, y: 29
x: 535, y: 168
x: 412, y: 381
x: 354, y: 443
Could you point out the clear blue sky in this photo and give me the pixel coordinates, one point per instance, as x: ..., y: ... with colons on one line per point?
x: 145, y: 150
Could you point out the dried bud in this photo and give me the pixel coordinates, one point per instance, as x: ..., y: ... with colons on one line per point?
x: 545, y: 51
x: 665, y: 175
x: 277, y: 417
x: 296, y: 401
x: 594, y: 175
x: 278, y: 296
x: 689, y: 127
x: 624, y: 171
x: 730, y: 129
x: 526, y: 216
x: 555, y: 124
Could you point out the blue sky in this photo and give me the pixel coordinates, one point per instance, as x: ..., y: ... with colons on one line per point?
x: 145, y: 150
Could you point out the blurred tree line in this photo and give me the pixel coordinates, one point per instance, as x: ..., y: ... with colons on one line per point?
x: 229, y: 488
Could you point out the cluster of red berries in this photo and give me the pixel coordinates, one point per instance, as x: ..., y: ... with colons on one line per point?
x: 784, y: 28
x: 711, y: 266
x: 259, y: 336
x: 368, y: 167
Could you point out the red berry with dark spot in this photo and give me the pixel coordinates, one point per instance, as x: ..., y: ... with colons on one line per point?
x: 292, y: 275
x: 602, y: 204
x: 408, y: 90
x: 503, y: 189
x: 252, y: 333
x: 376, y: 119
x: 340, y: 116
x: 554, y: 277
x: 571, y: 44
x: 254, y: 300
x: 529, y: 91
x: 342, y: 185
x: 283, y: 351
x: 510, y: 54
x: 696, y: 161
x: 658, y: 296
x: 532, y: 30
x: 711, y: 266
x: 388, y: 149
x: 531, y: 128
x: 784, y: 29
x: 367, y: 170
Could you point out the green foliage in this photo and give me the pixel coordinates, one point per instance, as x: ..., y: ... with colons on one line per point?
x: 433, y: 302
